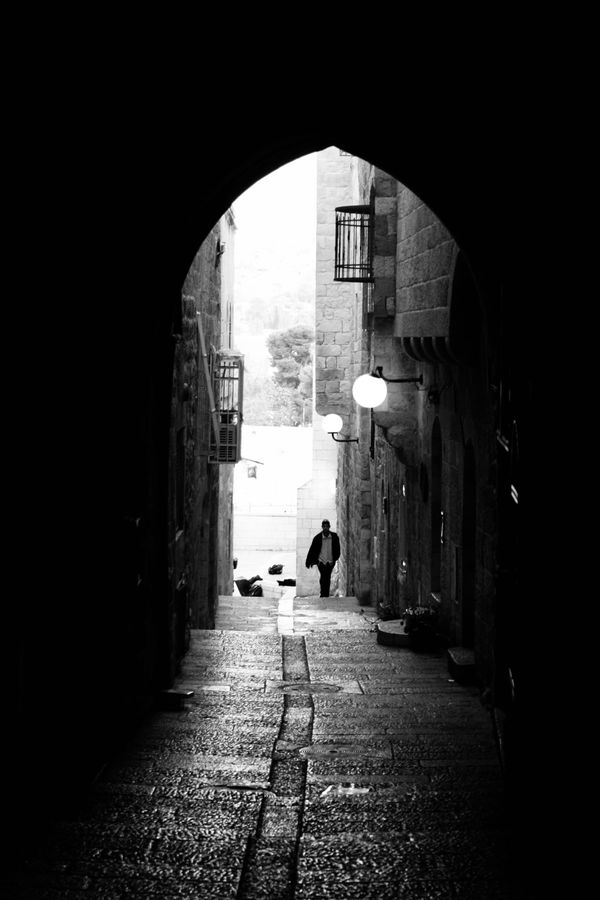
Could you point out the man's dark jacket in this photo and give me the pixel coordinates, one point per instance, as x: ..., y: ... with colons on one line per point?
x: 315, y: 548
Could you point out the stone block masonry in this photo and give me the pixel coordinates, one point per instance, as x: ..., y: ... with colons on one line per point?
x: 316, y: 501
x: 335, y: 301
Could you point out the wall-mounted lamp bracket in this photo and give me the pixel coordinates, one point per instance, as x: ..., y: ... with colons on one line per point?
x: 332, y: 424
x: 378, y: 373
x: 342, y: 440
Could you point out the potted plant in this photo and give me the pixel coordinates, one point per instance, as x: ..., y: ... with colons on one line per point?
x: 420, y: 623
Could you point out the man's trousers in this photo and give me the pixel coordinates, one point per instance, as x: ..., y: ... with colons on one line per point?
x: 325, y: 570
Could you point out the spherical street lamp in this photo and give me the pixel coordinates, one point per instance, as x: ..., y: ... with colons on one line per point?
x: 332, y: 423
x: 369, y: 391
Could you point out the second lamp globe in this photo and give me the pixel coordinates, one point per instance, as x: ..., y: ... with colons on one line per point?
x: 332, y: 423
x: 369, y: 391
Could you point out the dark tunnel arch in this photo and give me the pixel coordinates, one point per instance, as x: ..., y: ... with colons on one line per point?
x: 140, y: 197
x: 442, y: 178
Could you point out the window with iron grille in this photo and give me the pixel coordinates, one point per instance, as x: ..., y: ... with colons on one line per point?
x: 354, y: 243
x: 226, y: 436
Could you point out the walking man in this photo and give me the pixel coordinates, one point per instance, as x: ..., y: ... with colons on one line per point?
x: 324, y: 552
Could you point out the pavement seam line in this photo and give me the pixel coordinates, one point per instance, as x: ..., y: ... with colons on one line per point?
x: 294, y: 668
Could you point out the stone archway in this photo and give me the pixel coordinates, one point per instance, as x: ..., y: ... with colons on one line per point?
x: 142, y: 195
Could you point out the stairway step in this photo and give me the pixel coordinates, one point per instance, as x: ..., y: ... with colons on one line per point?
x: 392, y: 633
x: 461, y: 664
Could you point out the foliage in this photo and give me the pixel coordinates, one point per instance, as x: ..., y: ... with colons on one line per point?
x: 291, y: 354
x: 419, y: 618
x: 261, y: 399
x: 280, y: 393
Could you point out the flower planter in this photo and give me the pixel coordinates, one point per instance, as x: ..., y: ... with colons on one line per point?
x: 421, y: 627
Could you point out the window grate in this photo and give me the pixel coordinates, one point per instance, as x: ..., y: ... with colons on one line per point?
x: 354, y: 243
x: 228, y: 384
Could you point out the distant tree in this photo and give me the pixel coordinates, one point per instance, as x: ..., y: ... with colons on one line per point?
x: 284, y: 398
x: 306, y: 382
x: 288, y: 407
x: 291, y: 354
x: 290, y: 351
x: 261, y: 399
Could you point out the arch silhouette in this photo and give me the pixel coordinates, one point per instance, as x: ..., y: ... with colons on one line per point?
x: 456, y: 185
x: 137, y: 194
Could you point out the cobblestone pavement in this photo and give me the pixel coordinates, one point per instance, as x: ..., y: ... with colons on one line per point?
x: 310, y: 762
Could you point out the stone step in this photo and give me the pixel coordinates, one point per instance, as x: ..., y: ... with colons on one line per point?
x: 392, y: 633
x: 461, y: 664
x: 272, y: 590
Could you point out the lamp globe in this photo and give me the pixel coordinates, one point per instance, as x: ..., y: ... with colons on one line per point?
x: 369, y: 391
x: 332, y: 422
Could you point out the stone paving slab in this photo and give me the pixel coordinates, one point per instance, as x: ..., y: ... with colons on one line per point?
x: 309, y: 757
x: 372, y: 865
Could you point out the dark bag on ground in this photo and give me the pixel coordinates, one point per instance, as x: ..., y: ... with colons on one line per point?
x: 248, y: 587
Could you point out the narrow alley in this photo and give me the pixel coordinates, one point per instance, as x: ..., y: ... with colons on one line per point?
x: 310, y: 761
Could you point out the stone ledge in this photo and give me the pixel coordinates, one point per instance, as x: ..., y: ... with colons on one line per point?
x: 461, y: 664
x: 392, y: 633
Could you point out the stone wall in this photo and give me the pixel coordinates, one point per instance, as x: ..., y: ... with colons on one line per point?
x: 335, y: 301
x: 316, y: 501
x: 425, y: 254
x: 393, y: 551
x: 226, y: 247
x: 277, y: 460
x: 195, y: 536
x: 354, y: 508
x: 456, y: 397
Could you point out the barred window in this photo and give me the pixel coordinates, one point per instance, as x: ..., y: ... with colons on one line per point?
x: 354, y: 243
x: 228, y: 382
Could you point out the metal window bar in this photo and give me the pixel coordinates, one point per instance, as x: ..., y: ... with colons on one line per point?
x: 353, y: 243
x: 228, y: 382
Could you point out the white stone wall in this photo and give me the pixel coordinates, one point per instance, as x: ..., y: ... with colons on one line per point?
x: 335, y: 301
x: 265, y: 506
x: 316, y: 501
x: 262, y: 530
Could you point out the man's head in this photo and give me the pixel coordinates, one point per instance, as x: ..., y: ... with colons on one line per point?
x: 325, y: 526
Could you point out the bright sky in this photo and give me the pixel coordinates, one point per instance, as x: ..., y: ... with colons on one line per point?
x: 278, y: 212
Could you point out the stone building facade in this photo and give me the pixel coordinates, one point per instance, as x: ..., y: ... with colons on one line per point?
x: 200, y: 491
x: 416, y: 507
x: 339, y: 355
x: 316, y: 500
x: 227, y: 342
